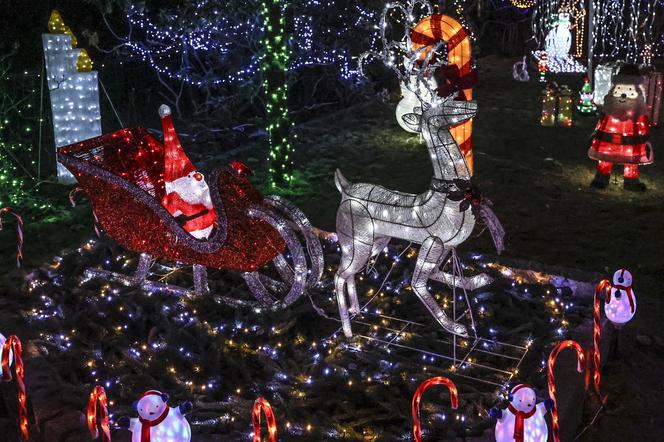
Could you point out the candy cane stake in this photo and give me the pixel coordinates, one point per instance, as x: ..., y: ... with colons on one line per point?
x: 417, y: 397
x: 581, y: 363
x: 19, y: 228
x: 98, y: 395
x: 13, y: 344
x: 262, y: 405
x: 604, y: 284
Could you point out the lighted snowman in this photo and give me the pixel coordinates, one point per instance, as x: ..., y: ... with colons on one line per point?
x: 157, y: 422
x: 11, y: 355
x: 620, y: 304
x: 559, y: 39
x: 523, y: 419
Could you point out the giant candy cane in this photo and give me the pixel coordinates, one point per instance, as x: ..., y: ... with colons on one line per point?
x: 581, y: 363
x: 417, y: 397
x: 19, y: 228
x: 98, y: 395
x: 13, y: 344
x: 262, y: 405
x: 424, y: 36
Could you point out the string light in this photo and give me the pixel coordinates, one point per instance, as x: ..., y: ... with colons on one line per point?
x: 175, y: 44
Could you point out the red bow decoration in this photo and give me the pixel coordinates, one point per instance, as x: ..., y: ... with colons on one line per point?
x: 455, y: 81
x: 626, y: 289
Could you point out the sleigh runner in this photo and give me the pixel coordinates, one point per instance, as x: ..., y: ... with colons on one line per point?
x: 267, y: 239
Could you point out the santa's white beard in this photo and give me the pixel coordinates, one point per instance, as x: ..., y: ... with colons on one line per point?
x: 191, y: 190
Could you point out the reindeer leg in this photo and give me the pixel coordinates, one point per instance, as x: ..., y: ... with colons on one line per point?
x: 431, y: 254
x: 352, y: 218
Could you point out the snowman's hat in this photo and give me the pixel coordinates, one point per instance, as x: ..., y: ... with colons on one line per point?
x: 176, y: 161
x: 517, y: 388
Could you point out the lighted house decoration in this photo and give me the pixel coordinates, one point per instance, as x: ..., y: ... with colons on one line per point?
x: 562, y: 34
x: 73, y: 89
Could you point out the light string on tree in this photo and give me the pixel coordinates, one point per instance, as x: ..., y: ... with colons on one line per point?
x: 175, y: 44
x: 13, y: 348
x: 417, y: 398
x: 98, y: 396
x: 261, y: 405
x: 627, y: 30
x: 274, y: 66
x: 551, y: 379
x: 19, y: 232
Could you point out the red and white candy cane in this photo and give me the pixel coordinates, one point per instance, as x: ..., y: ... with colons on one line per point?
x: 19, y: 228
x: 98, y: 395
x: 262, y: 405
x: 424, y: 36
x: 417, y: 397
x: 581, y: 365
x: 13, y: 344
x: 604, y: 284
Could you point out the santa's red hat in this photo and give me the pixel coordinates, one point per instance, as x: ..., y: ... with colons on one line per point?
x: 176, y: 162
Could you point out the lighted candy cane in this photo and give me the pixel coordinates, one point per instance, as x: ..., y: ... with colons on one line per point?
x: 604, y: 284
x: 262, y: 405
x: 13, y: 344
x: 98, y: 395
x: 581, y: 364
x: 417, y: 397
x: 442, y: 28
x: 19, y: 228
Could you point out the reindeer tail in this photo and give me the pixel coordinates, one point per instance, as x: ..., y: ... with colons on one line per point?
x: 340, y: 181
x: 489, y: 217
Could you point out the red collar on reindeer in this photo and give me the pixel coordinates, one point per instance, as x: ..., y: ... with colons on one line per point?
x: 146, y: 425
x: 520, y: 416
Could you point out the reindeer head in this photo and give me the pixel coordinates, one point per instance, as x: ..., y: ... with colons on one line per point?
x: 442, y: 113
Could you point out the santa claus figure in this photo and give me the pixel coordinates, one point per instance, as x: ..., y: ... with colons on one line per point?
x: 622, y: 135
x: 157, y: 422
x: 523, y: 419
x: 187, y: 194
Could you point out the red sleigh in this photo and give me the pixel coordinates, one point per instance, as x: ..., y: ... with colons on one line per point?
x: 122, y: 175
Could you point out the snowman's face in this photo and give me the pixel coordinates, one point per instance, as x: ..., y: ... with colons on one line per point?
x: 622, y: 277
x: 624, y: 92
x: 563, y: 17
x: 524, y: 399
x: 150, y: 407
x: 191, y: 187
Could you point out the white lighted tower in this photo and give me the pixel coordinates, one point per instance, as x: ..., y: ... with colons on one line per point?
x: 73, y: 87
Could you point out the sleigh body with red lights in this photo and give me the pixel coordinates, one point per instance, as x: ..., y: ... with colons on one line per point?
x: 263, y: 238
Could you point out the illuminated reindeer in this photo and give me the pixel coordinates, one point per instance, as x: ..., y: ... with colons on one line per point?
x: 370, y: 215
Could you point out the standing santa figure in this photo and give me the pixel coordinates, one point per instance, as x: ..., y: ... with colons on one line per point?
x: 523, y: 419
x: 187, y: 194
x: 157, y: 422
x: 622, y: 134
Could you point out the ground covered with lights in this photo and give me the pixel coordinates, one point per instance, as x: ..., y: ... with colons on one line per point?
x: 323, y: 386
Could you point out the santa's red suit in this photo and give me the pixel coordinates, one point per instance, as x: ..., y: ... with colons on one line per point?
x: 622, y: 142
x: 187, y: 194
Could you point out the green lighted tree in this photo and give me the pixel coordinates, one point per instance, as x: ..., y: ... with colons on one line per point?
x: 18, y: 127
x: 274, y: 67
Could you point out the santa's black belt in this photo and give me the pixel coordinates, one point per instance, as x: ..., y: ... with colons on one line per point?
x: 182, y: 219
x: 615, y: 138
